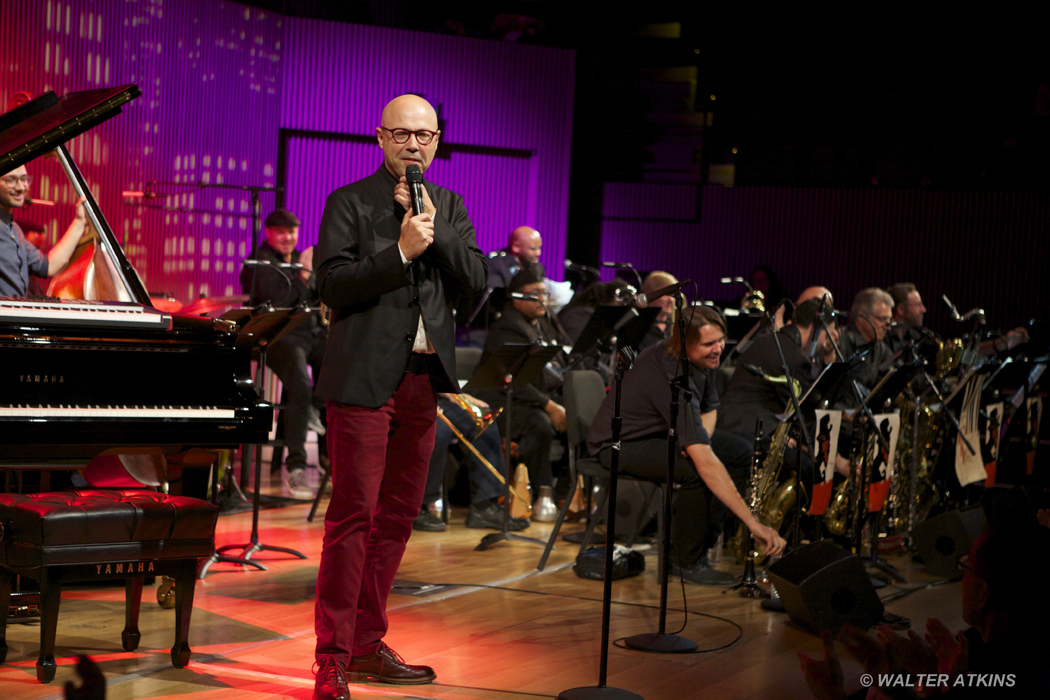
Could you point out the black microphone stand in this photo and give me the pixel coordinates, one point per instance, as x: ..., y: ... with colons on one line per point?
x: 511, y: 364
x: 864, y: 518
x: 662, y: 641
x: 799, y: 429
x: 624, y: 359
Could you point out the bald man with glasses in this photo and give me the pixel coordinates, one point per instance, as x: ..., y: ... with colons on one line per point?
x: 390, y: 277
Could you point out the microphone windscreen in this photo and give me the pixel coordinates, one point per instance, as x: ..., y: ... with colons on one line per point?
x: 413, y: 174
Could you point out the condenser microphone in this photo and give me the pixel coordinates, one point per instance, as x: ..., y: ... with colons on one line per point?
x: 643, y: 300
x: 414, y: 176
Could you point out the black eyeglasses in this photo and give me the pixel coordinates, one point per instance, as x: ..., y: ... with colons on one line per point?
x: 13, y: 180
x: 423, y: 137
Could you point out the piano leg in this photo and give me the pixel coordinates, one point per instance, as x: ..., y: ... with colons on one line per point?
x: 184, y: 585
x: 6, y: 582
x: 50, y: 598
x: 132, y: 603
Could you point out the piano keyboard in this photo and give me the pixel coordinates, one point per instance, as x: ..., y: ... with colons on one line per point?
x: 177, y: 412
x: 64, y: 312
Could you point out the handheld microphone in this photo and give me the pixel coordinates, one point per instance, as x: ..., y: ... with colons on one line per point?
x: 523, y: 297
x: 30, y: 201
x: 642, y: 300
x: 414, y: 177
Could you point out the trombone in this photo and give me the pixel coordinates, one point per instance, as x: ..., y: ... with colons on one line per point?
x: 482, y: 421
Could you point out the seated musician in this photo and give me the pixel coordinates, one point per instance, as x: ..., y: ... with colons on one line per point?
x: 909, y: 333
x: 522, y: 252
x: 298, y: 351
x: 751, y: 397
x: 705, y: 481
x: 870, y: 317
x: 661, y: 328
x: 486, y: 490
x: 18, y: 257
x: 537, y: 417
x: 577, y: 313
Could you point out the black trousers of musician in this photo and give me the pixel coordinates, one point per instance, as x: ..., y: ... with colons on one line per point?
x: 289, y: 358
x: 483, y: 485
x: 532, y: 429
x: 698, y: 516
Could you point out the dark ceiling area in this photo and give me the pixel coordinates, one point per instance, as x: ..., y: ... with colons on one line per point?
x: 876, y: 97
x: 855, y: 97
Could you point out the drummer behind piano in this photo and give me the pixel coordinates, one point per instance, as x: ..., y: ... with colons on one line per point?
x: 18, y: 257
x: 302, y: 349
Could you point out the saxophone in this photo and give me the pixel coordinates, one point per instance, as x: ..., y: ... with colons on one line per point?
x: 769, y: 500
x: 897, y: 505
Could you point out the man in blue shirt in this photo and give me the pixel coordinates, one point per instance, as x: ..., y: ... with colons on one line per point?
x: 18, y: 257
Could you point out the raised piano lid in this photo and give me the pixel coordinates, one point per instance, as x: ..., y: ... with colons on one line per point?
x: 42, y: 124
x: 45, y: 124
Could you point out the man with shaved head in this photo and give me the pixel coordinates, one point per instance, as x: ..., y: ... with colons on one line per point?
x: 390, y: 278
x: 522, y: 251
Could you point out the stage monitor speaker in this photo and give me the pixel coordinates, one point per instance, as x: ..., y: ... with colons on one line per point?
x: 942, y: 539
x: 823, y: 586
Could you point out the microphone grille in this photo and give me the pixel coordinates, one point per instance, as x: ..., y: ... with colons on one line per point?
x: 413, y: 173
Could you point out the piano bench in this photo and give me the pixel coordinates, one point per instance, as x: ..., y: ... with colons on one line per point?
x: 95, y: 534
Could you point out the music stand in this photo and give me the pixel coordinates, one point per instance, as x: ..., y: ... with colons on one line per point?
x: 265, y: 325
x: 623, y: 326
x: 512, y: 366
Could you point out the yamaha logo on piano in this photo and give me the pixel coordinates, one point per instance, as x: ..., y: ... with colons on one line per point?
x: 132, y: 567
x: 41, y: 379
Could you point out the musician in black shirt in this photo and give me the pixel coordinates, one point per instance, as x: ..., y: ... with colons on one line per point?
x: 645, y: 409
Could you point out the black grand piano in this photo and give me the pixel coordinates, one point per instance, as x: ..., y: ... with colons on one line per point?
x: 88, y: 378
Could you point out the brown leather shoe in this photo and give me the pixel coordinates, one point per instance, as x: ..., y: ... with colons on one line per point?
x: 386, y: 666
x: 330, y: 683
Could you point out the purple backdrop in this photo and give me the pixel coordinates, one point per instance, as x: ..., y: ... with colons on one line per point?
x: 219, y: 81
x: 488, y: 94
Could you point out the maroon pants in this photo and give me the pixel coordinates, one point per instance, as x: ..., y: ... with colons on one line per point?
x: 379, y: 459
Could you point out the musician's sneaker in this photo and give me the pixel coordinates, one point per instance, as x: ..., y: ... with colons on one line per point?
x: 297, y: 485
x: 489, y: 515
x: 427, y: 521
x: 703, y: 574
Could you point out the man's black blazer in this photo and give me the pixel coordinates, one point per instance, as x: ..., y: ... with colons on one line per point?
x: 375, y: 312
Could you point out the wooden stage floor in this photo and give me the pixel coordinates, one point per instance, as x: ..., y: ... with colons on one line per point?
x: 534, y: 636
